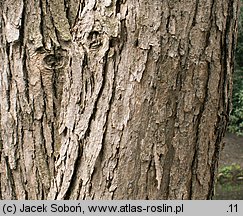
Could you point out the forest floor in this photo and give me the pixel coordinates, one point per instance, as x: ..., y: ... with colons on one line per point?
x: 233, y: 150
x: 232, y: 154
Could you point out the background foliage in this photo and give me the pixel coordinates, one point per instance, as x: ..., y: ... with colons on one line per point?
x: 236, y: 117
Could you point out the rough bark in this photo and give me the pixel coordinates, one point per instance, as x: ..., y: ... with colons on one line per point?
x: 113, y: 99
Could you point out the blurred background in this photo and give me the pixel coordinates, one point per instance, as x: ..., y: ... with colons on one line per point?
x: 230, y: 175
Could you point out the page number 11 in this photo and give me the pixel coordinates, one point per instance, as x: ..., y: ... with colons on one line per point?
x: 232, y: 208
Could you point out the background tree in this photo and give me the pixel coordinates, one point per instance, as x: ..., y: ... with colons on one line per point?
x: 113, y: 99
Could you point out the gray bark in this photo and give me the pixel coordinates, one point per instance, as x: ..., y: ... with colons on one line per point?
x: 113, y: 99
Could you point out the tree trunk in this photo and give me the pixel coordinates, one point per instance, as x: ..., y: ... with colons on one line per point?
x: 113, y: 99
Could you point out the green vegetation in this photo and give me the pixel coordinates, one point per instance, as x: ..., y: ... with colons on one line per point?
x: 230, y: 174
x: 236, y: 117
x: 229, y: 183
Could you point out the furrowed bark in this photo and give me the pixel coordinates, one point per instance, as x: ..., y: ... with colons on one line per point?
x: 114, y: 99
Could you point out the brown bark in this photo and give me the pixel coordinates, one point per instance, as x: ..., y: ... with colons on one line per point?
x: 113, y: 99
